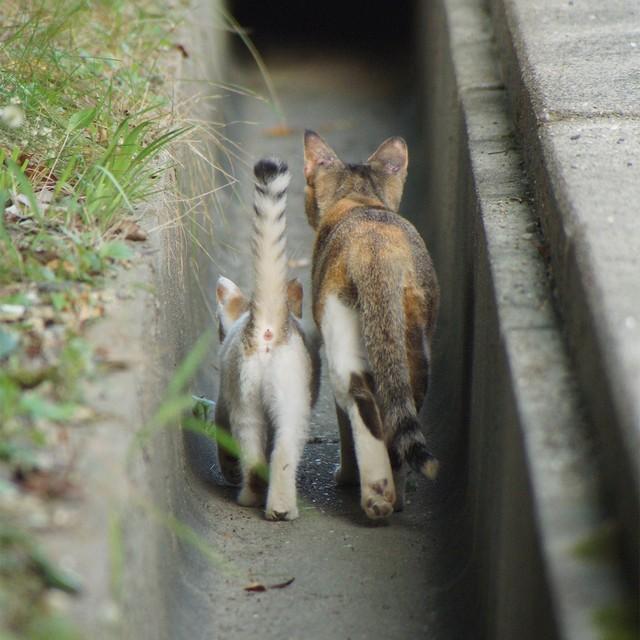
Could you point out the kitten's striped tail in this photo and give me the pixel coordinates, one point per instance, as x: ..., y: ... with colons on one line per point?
x: 269, y: 305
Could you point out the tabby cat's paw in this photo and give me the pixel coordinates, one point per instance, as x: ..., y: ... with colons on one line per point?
x: 378, y: 498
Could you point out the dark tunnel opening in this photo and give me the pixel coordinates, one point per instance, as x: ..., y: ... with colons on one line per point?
x: 377, y: 29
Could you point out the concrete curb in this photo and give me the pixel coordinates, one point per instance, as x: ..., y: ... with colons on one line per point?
x: 533, y: 482
x: 569, y: 72
x: 112, y: 544
x: 122, y: 547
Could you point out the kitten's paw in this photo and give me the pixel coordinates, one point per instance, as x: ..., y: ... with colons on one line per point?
x: 248, y: 498
x: 274, y: 514
x: 346, y: 476
x: 378, y: 498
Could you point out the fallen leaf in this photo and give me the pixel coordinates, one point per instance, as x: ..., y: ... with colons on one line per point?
x: 48, y: 484
x: 131, y: 231
x: 281, y: 585
x: 44, y: 197
x: 37, y: 173
x: 33, y: 346
x: 280, y: 131
x: 14, y: 214
x: 102, y: 135
x: 182, y: 50
x: 45, y: 256
x: 258, y: 587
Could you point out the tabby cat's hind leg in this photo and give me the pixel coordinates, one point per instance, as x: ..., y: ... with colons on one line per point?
x: 353, y: 390
x: 347, y: 472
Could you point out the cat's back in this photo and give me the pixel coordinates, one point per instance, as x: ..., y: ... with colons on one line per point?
x: 369, y: 236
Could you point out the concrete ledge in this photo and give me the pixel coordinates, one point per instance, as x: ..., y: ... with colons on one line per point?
x: 123, y: 546
x: 534, y: 487
x: 571, y: 74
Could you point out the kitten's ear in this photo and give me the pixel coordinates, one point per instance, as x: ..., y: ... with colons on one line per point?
x: 225, y: 290
x: 317, y: 154
x: 294, y: 295
x: 392, y: 156
x: 232, y: 303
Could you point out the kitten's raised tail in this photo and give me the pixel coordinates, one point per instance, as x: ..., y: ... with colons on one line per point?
x: 269, y: 304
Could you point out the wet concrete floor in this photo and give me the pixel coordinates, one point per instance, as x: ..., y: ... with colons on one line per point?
x: 353, y: 579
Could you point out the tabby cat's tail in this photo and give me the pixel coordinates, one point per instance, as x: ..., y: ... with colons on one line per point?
x: 381, y: 303
x: 269, y: 306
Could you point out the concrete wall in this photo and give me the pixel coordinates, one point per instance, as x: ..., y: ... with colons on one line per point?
x: 571, y: 75
x: 503, y: 381
x: 534, y: 486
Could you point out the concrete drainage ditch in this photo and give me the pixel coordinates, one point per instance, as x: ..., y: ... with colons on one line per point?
x: 487, y: 550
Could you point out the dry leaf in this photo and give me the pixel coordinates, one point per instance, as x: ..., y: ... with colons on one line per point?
x: 131, y: 231
x: 105, y: 359
x: 282, y: 585
x: 46, y: 256
x: 258, y: 587
x: 182, y: 50
x: 49, y: 484
x: 280, y: 131
x: 102, y: 135
x: 38, y: 174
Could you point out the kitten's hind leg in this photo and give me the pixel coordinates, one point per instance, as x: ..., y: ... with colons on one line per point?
x: 228, y: 462
x: 290, y: 415
x: 249, y: 431
x: 347, y: 472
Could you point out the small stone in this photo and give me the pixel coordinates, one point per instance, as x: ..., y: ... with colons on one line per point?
x: 58, y: 601
x: 64, y: 517
x: 575, y: 137
x: 110, y: 613
x: 12, y: 116
x: 12, y: 312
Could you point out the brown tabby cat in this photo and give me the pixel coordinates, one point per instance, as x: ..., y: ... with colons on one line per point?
x: 375, y: 301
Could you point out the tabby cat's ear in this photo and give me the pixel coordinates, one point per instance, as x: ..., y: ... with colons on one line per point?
x: 317, y: 154
x: 391, y: 156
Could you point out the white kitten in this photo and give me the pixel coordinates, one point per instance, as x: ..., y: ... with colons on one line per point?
x: 269, y: 373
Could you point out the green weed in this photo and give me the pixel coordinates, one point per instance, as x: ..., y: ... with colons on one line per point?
x: 84, y: 134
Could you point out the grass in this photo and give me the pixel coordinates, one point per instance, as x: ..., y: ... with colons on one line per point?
x: 84, y: 125
x: 85, y: 131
